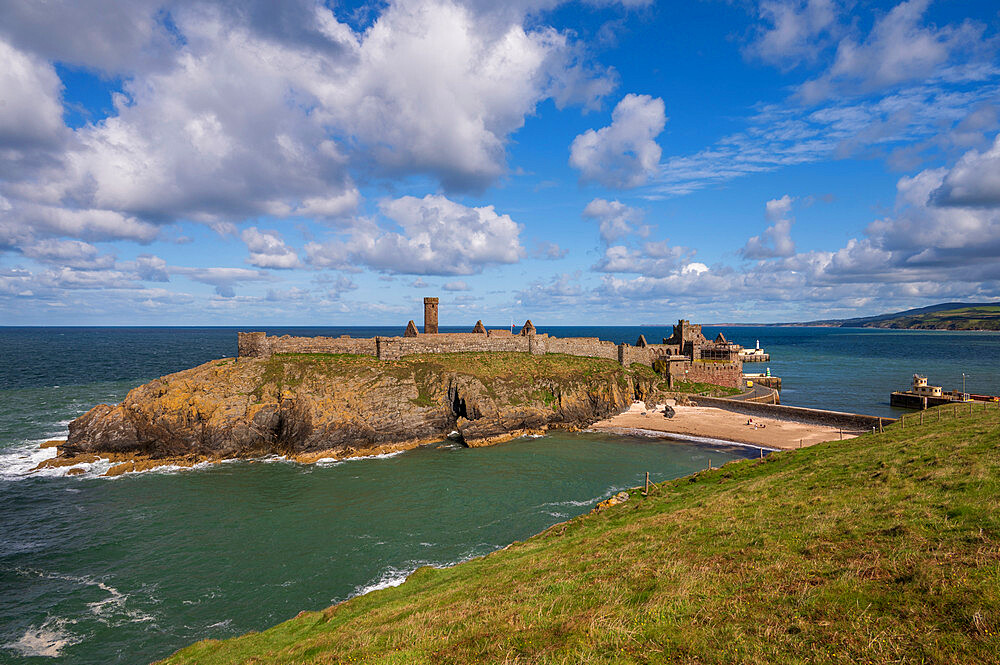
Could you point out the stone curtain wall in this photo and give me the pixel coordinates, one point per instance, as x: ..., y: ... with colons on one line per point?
x: 258, y: 345
x: 343, y: 344
x: 721, y: 374
x: 495, y: 340
x: 252, y: 345
x: 644, y: 355
x: 582, y: 346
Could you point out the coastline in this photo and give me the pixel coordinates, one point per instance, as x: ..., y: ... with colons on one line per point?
x: 698, y: 424
x: 122, y: 463
x: 676, y: 436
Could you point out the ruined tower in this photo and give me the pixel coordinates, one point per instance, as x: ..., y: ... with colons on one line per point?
x: 430, y: 316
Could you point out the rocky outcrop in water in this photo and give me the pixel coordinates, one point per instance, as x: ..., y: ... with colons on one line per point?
x: 306, y: 405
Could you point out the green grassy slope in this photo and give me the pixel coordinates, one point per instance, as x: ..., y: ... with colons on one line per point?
x: 516, y: 366
x: 964, y: 318
x: 884, y: 548
x: 879, y: 319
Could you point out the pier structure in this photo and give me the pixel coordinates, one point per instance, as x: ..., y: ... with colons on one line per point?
x: 755, y: 355
x: 922, y: 395
x: 763, y: 379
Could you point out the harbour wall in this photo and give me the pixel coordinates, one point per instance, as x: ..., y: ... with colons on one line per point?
x: 764, y: 380
x: 853, y: 422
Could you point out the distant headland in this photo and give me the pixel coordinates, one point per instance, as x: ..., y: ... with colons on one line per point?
x: 968, y: 316
x: 944, y: 316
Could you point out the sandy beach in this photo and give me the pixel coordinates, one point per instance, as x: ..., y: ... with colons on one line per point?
x: 712, y: 423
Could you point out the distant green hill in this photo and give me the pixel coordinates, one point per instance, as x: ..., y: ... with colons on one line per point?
x: 943, y: 316
x: 981, y: 317
x: 879, y: 549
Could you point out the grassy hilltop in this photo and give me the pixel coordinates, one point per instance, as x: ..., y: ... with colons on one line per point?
x: 884, y: 548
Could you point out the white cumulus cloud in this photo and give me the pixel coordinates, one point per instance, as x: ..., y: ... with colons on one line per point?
x: 615, y: 218
x: 796, y: 30
x: 776, y: 241
x: 625, y: 153
x: 231, y: 111
x: 900, y: 47
x: 973, y: 181
x: 68, y: 253
x: 30, y: 104
x: 438, y: 237
x: 268, y: 250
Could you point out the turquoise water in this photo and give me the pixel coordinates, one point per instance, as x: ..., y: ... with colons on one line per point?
x: 126, y: 570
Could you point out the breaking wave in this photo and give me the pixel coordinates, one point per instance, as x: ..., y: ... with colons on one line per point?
x: 47, y: 640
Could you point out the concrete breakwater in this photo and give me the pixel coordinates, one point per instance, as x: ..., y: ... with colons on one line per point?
x: 848, y: 421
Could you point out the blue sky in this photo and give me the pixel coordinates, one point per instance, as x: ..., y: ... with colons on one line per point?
x: 211, y: 162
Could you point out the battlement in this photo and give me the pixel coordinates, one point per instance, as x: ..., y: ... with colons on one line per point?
x: 685, y: 352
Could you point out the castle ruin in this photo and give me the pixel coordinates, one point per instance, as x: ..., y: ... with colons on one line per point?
x: 687, y: 354
x: 430, y: 316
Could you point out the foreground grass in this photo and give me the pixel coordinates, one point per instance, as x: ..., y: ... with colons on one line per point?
x: 883, y: 548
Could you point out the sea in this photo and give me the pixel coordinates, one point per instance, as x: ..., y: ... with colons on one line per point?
x: 129, y: 569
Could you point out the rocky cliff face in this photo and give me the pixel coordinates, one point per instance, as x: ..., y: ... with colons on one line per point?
x: 302, y: 404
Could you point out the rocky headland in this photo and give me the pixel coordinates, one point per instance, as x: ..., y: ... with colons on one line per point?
x: 314, y: 406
